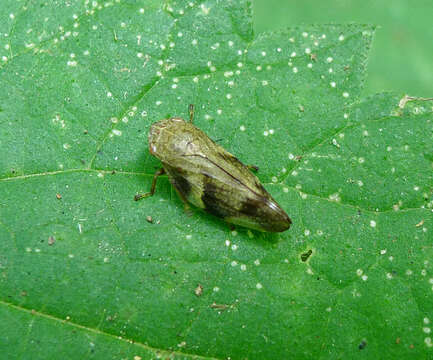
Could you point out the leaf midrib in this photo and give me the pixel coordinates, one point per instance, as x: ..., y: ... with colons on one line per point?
x: 99, y: 332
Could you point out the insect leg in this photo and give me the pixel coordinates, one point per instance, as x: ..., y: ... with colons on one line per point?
x: 186, y: 206
x: 253, y: 167
x: 191, y: 113
x: 152, y: 188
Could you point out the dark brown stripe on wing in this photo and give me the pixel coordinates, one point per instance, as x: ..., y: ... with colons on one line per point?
x: 179, y: 181
x: 251, y: 207
x: 213, y: 199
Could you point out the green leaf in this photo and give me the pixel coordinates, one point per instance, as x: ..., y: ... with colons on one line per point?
x: 84, y: 275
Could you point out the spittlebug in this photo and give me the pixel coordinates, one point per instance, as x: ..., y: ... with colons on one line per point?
x: 209, y: 177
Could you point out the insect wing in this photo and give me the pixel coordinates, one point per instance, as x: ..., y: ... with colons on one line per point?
x: 213, y: 179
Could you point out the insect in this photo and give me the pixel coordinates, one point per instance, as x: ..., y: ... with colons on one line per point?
x: 207, y: 176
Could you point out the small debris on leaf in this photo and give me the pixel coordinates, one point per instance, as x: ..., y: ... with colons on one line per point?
x: 306, y: 255
x: 198, y: 290
x: 218, y: 306
x: 421, y: 223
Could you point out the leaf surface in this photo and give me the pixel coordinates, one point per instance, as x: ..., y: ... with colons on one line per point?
x: 84, y: 275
